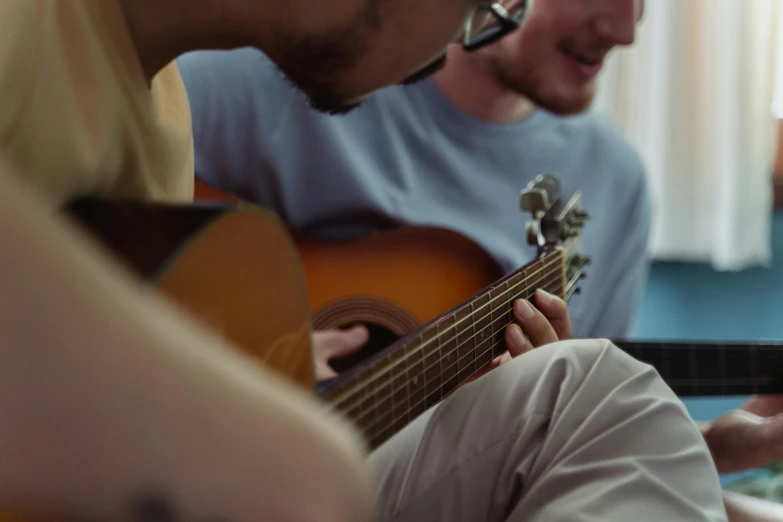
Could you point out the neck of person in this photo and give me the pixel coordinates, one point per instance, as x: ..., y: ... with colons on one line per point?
x: 473, y: 89
x: 162, y: 30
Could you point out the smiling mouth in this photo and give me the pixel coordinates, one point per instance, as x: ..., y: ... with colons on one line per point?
x: 589, y: 61
x: 586, y: 66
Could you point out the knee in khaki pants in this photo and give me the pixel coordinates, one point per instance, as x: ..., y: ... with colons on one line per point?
x: 576, y: 430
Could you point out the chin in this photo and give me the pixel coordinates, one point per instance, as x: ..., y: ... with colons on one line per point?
x: 565, y: 105
x: 321, y: 97
x: 333, y: 108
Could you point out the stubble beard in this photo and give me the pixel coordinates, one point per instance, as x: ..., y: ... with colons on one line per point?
x: 313, y: 65
x: 535, y: 87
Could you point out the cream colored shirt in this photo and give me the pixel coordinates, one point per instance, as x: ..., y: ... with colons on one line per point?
x: 77, y: 117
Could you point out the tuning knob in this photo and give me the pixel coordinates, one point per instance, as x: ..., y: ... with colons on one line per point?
x: 569, y: 231
x: 582, y: 260
x: 533, y: 229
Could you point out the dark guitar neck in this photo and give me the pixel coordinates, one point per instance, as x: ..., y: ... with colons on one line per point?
x: 695, y: 369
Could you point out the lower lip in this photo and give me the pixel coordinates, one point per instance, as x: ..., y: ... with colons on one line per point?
x: 587, y: 71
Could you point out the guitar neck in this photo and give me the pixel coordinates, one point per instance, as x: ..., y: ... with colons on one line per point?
x: 695, y: 369
x: 387, y: 392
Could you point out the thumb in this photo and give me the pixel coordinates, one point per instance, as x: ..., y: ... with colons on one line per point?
x: 346, y: 342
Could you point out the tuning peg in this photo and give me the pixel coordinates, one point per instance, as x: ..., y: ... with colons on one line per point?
x: 569, y: 231
x: 579, y: 261
x: 576, y: 218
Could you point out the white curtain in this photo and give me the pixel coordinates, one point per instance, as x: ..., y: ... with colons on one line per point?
x: 695, y: 96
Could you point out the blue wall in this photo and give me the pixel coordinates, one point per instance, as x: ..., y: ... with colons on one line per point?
x: 694, y: 302
x: 689, y: 301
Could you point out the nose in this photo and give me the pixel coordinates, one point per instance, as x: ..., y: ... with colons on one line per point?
x: 617, y: 21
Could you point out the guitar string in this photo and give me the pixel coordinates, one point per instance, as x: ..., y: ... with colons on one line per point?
x: 375, y: 400
x: 673, y: 382
x: 361, y: 386
x: 357, y: 386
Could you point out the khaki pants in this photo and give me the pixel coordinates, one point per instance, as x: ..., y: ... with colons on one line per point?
x: 575, y: 431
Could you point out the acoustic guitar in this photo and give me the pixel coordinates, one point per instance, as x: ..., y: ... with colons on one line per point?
x: 393, y: 281
x: 238, y: 269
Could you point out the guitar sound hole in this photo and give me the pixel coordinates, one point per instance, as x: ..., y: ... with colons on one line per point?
x: 380, y: 338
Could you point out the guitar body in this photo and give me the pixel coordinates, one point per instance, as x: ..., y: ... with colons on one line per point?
x: 394, y: 281
x: 437, y: 298
x: 236, y: 270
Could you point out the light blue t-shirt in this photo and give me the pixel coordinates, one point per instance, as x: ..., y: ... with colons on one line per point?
x: 407, y: 155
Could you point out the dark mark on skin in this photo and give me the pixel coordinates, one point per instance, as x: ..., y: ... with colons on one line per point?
x: 156, y: 507
x: 153, y: 508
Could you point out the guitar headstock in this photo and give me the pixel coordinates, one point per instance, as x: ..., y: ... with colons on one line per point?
x: 556, y: 223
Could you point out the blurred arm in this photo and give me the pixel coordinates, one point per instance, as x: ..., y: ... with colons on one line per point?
x: 116, y: 406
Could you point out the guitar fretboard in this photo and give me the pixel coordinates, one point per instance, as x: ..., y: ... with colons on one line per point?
x: 386, y: 393
x: 694, y: 369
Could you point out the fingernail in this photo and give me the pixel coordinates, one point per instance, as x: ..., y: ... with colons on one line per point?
x: 516, y: 336
x: 545, y: 296
x: 524, y: 309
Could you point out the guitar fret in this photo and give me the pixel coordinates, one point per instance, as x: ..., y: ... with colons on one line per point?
x: 440, y: 362
x: 491, y: 322
x: 722, y: 369
x: 419, y: 385
x: 432, y: 375
x: 473, y: 339
x: 495, y: 307
x: 483, y: 320
x: 407, y: 382
x: 508, y: 311
x: 384, y: 415
x: 401, y: 400
x: 450, y: 359
x: 361, y: 405
x: 372, y: 403
x: 693, y: 369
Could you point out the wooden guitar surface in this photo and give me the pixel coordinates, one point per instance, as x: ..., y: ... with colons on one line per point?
x: 393, y: 282
x: 237, y: 270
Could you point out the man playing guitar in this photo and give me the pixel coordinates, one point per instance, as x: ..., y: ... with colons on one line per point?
x: 117, y: 406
